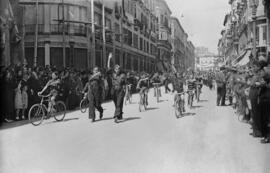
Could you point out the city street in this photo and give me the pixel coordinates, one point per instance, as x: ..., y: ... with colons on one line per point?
x: 208, y: 139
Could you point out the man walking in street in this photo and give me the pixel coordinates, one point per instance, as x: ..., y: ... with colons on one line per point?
x: 118, y: 79
x: 94, y: 88
x: 221, y: 87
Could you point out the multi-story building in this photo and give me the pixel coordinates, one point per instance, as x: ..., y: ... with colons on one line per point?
x: 267, y: 11
x: 178, y: 46
x: 205, y: 60
x: 81, y: 34
x: 164, y: 43
x: 125, y: 28
x: 190, y: 56
x: 10, y: 31
x: 237, y: 37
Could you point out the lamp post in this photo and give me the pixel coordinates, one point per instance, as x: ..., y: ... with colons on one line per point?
x: 254, y: 4
x: 36, y: 36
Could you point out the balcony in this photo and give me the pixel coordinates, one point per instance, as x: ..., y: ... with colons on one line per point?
x: 57, y: 29
x: 30, y: 29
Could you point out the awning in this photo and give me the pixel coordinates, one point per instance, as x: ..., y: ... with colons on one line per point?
x: 243, y: 59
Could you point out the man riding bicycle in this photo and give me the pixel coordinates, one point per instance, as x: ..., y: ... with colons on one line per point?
x: 54, y: 86
x: 199, y: 84
x: 179, y: 88
x: 191, y: 84
x: 156, y: 79
x: 143, y: 86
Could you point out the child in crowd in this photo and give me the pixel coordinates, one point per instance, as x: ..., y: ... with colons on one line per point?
x: 21, y: 100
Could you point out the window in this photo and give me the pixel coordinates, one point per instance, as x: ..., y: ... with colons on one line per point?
x: 98, y: 19
x: 264, y: 30
x: 117, y: 32
x: 129, y: 38
x: 135, y: 41
x: 125, y: 32
x: 141, y: 43
x: 108, y: 23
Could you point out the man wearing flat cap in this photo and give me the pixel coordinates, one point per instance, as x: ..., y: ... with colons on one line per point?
x: 221, y: 86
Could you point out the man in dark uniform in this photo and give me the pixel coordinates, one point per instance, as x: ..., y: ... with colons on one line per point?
x: 118, y: 79
x: 221, y: 87
x: 94, y: 88
x: 254, y: 95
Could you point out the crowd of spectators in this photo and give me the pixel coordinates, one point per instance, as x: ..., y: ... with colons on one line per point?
x: 20, y: 85
x: 247, y: 89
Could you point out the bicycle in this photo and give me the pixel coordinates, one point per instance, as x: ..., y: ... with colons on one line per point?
x: 157, y: 91
x: 190, y: 97
x: 198, y: 91
x: 84, y: 103
x: 39, y: 111
x: 128, y: 96
x: 143, y: 101
x: 179, y: 104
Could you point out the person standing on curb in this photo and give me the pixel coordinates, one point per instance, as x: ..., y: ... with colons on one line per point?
x: 221, y: 87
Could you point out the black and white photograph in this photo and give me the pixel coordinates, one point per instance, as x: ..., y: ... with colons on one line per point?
x: 134, y: 86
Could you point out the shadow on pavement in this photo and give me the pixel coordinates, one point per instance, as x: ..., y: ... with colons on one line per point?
x: 203, y: 101
x: 151, y: 108
x: 160, y: 101
x: 194, y: 107
x: 129, y: 119
x: 104, y: 119
x: 65, y: 120
x: 186, y: 115
x: 4, y: 126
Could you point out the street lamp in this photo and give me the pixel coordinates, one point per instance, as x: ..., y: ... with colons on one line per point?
x: 254, y: 4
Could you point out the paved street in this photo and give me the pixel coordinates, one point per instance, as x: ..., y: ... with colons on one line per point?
x: 208, y: 139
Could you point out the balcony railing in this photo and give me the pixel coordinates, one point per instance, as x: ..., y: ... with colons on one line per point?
x: 57, y: 29
x: 31, y: 29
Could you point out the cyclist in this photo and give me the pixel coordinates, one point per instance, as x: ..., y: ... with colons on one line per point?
x: 179, y: 87
x: 54, y: 86
x: 199, y: 83
x: 129, y: 81
x: 156, y: 79
x: 191, y: 84
x: 143, y: 86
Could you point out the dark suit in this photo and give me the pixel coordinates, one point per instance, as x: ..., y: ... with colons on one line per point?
x: 118, y: 93
x: 94, y: 96
x: 221, y: 88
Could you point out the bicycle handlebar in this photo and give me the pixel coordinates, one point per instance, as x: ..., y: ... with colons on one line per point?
x: 44, y: 96
x: 181, y: 93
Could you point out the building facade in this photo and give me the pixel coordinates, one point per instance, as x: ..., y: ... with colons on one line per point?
x: 81, y: 34
x: 236, y: 42
x: 164, y: 43
x: 178, y: 46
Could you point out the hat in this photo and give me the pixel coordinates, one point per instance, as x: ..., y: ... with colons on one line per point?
x: 266, y: 75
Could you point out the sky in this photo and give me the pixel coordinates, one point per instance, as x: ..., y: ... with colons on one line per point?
x: 201, y: 19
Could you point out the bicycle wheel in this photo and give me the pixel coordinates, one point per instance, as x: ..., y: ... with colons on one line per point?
x: 141, y: 104
x: 144, y: 102
x: 198, y: 95
x: 83, y: 105
x: 176, y: 109
x: 130, y: 98
x: 36, y: 114
x: 126, y: 99
x: 191, y: 100
x: 158, y: 92
x: 60, y: 111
